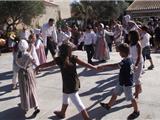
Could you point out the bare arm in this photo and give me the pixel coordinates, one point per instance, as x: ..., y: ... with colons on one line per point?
x: 101, y: 67
x: 139, y: 54
x: 80, y: 62
x: 48, y: 64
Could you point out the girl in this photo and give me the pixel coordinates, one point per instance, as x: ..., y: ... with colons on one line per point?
x: 15, y: 67
x: 26, y: 78
x: 40, y: 49
x: 32, y: 49
x: 71, y: 84
x: 136, y: 55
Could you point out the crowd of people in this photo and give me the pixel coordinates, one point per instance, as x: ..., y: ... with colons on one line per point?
x: 30, y: 52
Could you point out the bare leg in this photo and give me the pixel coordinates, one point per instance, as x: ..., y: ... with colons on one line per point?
x: 61, y: 114
x: 135, y: 106
x: 138, y: 89
x: 85, y: 115
x: 150, y: 60
x: 112, y: 100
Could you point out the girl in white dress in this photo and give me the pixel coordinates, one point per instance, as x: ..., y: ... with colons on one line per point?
x: 136, y: 55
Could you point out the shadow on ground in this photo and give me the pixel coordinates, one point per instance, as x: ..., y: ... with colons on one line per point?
x: 6, y: 75
x: 15, y: 113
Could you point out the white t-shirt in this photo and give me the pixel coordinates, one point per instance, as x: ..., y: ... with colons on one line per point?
x: 145, y: 40
x: 49, y: 31
x: 89, y: 38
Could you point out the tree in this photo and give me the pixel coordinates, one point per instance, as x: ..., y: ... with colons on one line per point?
x: 83, y: 12
x: 99, y: 10
x: 14, y: 12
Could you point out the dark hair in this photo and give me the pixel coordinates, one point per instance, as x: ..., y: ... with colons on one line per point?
x: 134, y: 37
x: 145, y: 28
x: 30, y: 38
x: 89, y: 27
x: 64, y: 53
x: 51, y: 20
x: 124, y: 47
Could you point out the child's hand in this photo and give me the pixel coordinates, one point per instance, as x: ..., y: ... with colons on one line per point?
x: 37, y: 69
x: 135, y: 68
x: 99, y: 68
x: 95, y: 67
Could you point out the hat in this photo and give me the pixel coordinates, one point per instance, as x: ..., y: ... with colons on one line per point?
x: 23, y: 45
x: 12, y: 36
x: 102, y: 25
x: 127, y: 18
x: 2, y: 42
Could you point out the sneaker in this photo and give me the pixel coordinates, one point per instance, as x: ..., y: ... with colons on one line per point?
x: 133, y: 115
x: 59, y: 114
x: 150, y: 67
x: 106, y: 106
x: 36, y: 112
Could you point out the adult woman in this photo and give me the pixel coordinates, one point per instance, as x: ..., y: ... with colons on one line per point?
x: 26, y: 78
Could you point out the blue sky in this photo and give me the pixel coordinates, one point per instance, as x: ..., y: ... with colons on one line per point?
x: 74, y: 0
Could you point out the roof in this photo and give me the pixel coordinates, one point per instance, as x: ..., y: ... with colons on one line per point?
x: 144, y: 5
x: 50, y: 3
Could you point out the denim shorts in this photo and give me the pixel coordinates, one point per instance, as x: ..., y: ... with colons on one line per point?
x: 146, y: 52
x: 126, y: 89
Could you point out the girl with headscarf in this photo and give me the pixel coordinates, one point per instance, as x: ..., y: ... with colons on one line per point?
x: 26, y: 78
x: 39, y: 46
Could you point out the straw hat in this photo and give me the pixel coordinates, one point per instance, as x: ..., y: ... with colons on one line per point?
x: 2, y: 42
x: 12, y: 36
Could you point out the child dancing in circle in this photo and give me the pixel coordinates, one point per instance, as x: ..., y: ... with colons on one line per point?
x: 71, y: 84
x: 125, y: 82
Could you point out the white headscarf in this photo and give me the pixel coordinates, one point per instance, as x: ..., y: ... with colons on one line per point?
x: 127, y: 18
x: 23, y: 45
x: 102, y: 25
x: 37, y: 31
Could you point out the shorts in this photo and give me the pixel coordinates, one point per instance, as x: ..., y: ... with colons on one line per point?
x: 146, y: 52
x: 126, y: 89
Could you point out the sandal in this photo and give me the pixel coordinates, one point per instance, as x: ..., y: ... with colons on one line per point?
x: 59, y: 114
x: 106, y: 106
x: 133, y: 115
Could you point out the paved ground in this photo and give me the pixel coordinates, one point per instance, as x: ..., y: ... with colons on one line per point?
x: 95, y: 87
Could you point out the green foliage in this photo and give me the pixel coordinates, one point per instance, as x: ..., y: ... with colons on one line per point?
x: 99, y: 10
x: 19, y: 11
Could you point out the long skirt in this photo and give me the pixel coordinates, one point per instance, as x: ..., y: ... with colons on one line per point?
x: 101, y: 50
x: 27, y: 87
x: 41, y: 54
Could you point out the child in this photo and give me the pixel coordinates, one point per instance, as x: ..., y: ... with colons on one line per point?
x: 32, y: 49
x: 136, y: 55
x: 40, y: 48
x: 67, y: 63
x: 125, y: 80
x: 145, y: 42
x: 26, y: 78
x: 15, y: 67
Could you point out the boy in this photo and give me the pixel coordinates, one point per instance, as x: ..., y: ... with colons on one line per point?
x: 125, y: 80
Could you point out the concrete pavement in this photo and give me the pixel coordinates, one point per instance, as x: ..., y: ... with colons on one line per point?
x: 95, y: 87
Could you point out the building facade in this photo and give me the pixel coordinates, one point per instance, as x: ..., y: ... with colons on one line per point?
x: 53, y: 9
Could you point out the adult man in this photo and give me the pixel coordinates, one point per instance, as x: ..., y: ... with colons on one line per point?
x: 89, y: 41
x: 50, y: 37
